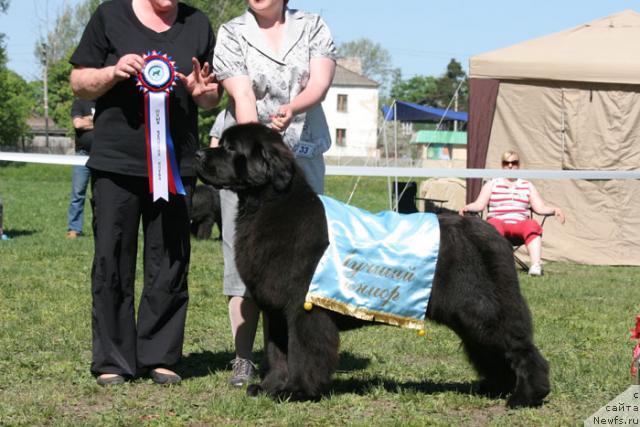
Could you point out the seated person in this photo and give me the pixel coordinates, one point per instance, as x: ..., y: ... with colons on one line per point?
x: 510, y: 202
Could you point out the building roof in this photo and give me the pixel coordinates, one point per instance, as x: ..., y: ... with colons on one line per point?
x: 604, y: 50
x: 410, y: 112
x: 38, y: 126
x: 344, y: 77
x: 440, y: 137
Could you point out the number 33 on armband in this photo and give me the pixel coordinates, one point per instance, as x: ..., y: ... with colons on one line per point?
x: 304, y: 149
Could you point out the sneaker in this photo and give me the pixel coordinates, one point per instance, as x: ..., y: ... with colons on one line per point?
x: 243, y: 370
x: 4, y: 237
x: 72, y: 234
x: 535, y: 270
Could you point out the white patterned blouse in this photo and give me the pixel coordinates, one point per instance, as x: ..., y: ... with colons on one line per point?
x: 279, y: 77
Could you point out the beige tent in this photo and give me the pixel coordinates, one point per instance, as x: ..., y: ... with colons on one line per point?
x: 571, y: 101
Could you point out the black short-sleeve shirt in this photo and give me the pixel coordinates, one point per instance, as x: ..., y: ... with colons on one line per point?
x: 84, y: 137
x: 114, y: 31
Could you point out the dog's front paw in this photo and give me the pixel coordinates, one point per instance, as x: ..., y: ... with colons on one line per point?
x: 494, y: 389
x: 522, y: 400
x: 254, y: 390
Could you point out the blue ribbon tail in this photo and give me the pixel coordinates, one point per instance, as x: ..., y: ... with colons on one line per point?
x: 174, y: 164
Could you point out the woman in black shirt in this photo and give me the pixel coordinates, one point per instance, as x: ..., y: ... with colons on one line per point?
x: 121, y: 37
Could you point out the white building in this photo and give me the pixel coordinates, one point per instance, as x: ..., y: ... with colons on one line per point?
x: 351, y: 107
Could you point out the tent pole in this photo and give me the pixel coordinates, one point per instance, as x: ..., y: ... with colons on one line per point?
x: 386, y: 154
x: 455, y: 108
x: 395, y: 150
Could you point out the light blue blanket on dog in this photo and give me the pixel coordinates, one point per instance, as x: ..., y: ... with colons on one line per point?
x: 377, y: 266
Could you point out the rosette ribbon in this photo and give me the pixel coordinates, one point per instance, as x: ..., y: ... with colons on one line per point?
x: 156, y: 81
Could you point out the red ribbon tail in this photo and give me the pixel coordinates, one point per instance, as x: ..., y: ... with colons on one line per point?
x: 634, y: 361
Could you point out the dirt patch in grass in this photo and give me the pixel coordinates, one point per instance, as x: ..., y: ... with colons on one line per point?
x: 480, y: 417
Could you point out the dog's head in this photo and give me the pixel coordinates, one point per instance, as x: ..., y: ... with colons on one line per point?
x: 248, y: 156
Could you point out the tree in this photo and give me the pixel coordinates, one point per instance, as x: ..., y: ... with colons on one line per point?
x: 218, y: 12
x: 435, y: 91
x: 453, y: 79
x: 14, y: 97
x: 4, y: 5
x: 65, y: 35
x: 54, y: 51
x: 375, y: 60
x: 14, y: 94
x: 66, y: 31
x: 414, y: 89
x: 60, y: 94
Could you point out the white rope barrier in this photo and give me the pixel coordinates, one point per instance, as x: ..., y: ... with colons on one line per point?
x: 481, y: 173
x: 52, y: 159
x: 58, y: 159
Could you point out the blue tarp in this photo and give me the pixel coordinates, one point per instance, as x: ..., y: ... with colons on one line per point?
x: 410, y: 112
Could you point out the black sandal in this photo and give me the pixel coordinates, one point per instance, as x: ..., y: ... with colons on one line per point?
x: 161, y: 378
x: 112, y: 380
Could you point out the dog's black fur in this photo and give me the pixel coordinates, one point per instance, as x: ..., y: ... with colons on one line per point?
x: 205, y: 211
x: 281, y: 236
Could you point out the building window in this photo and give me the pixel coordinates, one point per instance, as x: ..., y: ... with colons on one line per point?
x: 342, y: 103
x: 341, y: 137
x: 407, y: 128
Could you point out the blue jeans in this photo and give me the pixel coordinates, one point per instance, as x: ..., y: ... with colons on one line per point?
x: 79, y: 181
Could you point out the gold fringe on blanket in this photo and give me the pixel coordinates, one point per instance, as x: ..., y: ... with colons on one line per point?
x: 365, y: 313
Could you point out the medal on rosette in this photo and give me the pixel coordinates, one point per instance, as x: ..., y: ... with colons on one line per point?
x: 156, y: 80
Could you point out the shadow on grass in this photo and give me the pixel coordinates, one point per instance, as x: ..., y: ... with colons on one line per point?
x: 205, y: 363
x: 350, y: 362
x: 6, y: 163
x: 202, y: 364
x: 364, y: 386
x: 12, y: 232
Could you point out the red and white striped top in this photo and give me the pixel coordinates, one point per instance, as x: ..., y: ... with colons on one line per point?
x: 510, y: 203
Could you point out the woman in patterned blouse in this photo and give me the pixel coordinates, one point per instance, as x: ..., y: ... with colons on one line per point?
x: 277, y: 65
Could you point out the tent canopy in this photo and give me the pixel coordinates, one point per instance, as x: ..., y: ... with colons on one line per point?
x: 604, y: 50
x: 410, y: 112
x: 568, y: 101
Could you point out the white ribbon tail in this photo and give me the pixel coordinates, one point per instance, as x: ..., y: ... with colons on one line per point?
x: 158, y: 141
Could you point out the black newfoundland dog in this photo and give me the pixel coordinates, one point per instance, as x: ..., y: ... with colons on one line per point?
x: 281, y: 236
x: 205, y: 212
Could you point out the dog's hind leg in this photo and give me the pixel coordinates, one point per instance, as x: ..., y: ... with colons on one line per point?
x: 506, y: 358
x: 314, y: 342
x: 532, y: 376
x: 498, y: 379
x: 503, y: 353
x: 476, y: 293
x: 274, y: 368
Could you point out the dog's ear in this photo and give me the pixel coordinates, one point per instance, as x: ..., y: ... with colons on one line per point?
x: 279, y: 160
x: 263, y: 157
x: 256, y: 166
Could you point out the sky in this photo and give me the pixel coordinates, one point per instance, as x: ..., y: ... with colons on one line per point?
x: 420, y: 35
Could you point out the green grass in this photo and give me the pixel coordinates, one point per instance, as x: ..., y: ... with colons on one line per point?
x: 387, y: 376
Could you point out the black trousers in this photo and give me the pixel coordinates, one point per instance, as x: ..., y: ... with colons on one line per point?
x: 120, y: 344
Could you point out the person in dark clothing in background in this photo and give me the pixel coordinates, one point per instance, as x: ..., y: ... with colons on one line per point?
x: 82, y: 115
x: 2, y: 235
